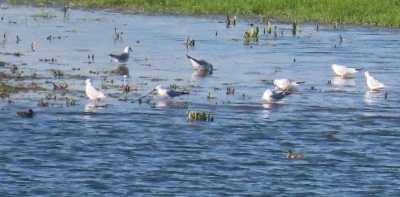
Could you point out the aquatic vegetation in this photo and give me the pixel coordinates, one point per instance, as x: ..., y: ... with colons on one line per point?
x: 44, y: 14
x: 6, y: 90
x: 16, y: 54
x: 199, y: 116
x: 383, y: 13
x: 120, y: 70
x: 57, y: 73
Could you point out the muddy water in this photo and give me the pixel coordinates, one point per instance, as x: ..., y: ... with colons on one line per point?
x: 349, y: 136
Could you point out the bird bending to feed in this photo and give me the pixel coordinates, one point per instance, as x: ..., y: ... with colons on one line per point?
x: 272, y: 96
x: 26, y: 114
x: 92, y: 92
x: 123, y: 57
x: 286, y: 84
x: 200, y: 64
x: 166, y: 92
x: 372, y: 83
x: 344, y: 71
x: 291, y: 155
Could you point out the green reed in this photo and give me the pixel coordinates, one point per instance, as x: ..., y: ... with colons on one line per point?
x: 371, y: 12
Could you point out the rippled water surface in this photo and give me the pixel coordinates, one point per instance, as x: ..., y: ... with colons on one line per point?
x: 349, y: 136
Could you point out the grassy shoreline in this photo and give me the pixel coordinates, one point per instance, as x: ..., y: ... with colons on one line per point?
x: 367, y: 12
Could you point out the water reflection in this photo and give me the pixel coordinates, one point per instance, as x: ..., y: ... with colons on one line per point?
x: 171, y: 104
x: 343, y: 81
x: 200, y: 74
x: 371, y: 97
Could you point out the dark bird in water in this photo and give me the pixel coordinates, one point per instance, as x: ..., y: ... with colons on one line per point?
x: 291, y: 155
x: 26, y: 114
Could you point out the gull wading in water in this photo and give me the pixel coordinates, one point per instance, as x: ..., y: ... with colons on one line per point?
x: 167, y: 93
x: 92, y: 92
x: 344, y: 71
x: 286, y: 84
x: 372, y: 83
x: 200, y: 64
x: 272, y: 96
x: 123, y: 57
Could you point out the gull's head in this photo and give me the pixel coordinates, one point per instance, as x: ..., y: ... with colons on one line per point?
x: 267, y: 95
x: 366, y: 73
x: 159, y: 87
x: 88, y: 81
x: 128, y: 49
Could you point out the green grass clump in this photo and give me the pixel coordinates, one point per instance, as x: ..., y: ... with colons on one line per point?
x: 44, y: 14
x: 199, y: 116
x: 372, y: 12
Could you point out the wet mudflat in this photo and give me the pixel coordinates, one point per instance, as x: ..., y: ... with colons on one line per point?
x: 119, y: 146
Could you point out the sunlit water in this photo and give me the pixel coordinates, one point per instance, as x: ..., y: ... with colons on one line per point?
x: 349, y: 136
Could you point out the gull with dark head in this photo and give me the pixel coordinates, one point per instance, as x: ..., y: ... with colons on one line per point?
x: 372, y: 83
x: 200, y: 64
x: 272, y: 96
x: 286, y: 84
x: 123, y: 57
x: 344, y: 71
x: 92, y: 92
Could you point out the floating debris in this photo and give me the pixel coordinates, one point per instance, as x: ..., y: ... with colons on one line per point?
x: 211, y: 96
x: 199, y: 116
x: 126, y: 89
x: 33, y: 46
x: 230, y: 90
x: 51, y: 60
x: 50, y: 37
x: 57, y: 72
x: 14, y: 69
x: 341, y: 39
x: 70, y: 101
x: 62, y: 86
x: 16, y: 54
x: 189, y: 42
x: 43, y: 103
x: 18, y: 39
x: 117, y: 34
x: 120, y: 70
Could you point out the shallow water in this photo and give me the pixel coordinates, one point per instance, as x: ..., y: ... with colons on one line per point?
x: 349, y: 136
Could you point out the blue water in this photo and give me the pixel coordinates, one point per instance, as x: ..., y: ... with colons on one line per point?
x: 349, y: 136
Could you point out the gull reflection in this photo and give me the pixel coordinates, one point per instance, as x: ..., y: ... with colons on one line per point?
x: 343, y: 81
x: 372, y: 97
x: 200, y: 74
